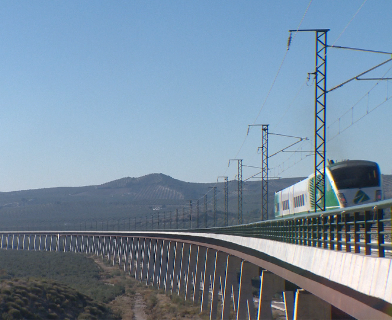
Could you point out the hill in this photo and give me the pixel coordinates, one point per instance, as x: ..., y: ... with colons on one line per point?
x: 129, y: 202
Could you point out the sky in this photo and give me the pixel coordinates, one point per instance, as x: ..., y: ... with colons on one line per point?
x: 93, y: 91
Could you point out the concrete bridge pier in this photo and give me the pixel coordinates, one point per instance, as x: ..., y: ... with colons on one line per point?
x: 230, y: 292
x: 218, y: 282
x: 191, y: 283
x: 138, y: 259
x: 170, y: 266
x: 269, y: 285
x: 126, y: 254
x: 133, y: 256
x: 288, y: 299
x: 184, y: 268
x: 308, y: 306
x: 158, y: 263
x: 176, y: 268
x: 246, y: 308
x: 164, y: 262
x: 199, y: 272
x: 208, y: 274
x: 146, y: 249
x: 151, y: 261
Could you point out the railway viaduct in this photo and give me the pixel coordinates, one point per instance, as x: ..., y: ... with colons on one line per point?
x: 319, y: 263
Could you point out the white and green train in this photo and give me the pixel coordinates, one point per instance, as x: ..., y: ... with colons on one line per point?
x: 348, y: 183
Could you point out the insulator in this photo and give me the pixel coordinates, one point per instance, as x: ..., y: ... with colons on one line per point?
x: 289, y: 42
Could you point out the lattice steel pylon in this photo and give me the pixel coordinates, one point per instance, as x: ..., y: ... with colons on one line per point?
x: 205, y: 211
x: 197, y: 214
x: 240, y: 191
x: 214, y: 204
x: 226, y: 198
x: 264, y: 173
x: 190, y: 212
x: 320, y: 76
x: 239, y: 178
x: 320, y: 119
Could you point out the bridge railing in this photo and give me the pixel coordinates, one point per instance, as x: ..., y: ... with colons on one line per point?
x: 362, y: 229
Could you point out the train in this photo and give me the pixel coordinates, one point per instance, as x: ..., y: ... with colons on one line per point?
x: 348, y: 183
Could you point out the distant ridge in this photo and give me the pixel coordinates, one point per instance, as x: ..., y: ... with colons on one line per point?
x: 151, y: 187
x: 153, y: 178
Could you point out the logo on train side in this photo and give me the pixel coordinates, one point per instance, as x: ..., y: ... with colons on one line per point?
x: 360, y: 197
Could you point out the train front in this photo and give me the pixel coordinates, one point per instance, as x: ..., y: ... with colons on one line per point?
x: 356, y: 181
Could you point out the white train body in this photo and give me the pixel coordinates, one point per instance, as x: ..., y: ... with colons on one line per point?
x: 348, y: 183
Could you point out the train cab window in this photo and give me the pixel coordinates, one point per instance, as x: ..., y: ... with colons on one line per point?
x: 357, y: 176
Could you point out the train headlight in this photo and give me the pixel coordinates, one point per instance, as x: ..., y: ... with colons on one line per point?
x: 342, y: 199
x: 378, y: 195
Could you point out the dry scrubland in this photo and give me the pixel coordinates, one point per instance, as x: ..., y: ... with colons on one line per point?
x: 52, y: 285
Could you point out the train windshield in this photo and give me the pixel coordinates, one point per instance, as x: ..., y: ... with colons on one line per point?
x: 358, y: 176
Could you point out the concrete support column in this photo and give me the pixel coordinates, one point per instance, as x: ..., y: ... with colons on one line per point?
x: 170, y: 267
x: 109, y: 248
x: 114, y: 250
x: 78, y: 243
x: 87, y: 244
x: 208, y: 274
x: 164, y: 262
x: 75, y: 243
x: 103, y: 246
x: 219, y: 281
x: 52, y: 243
x: 146, y: 249
x: 246, y: 309
x: 99, y: 246
x: 308, y: 306
x: 151, y: 261
x: 119, y: 243
x: 199, y: 272
x: 158, y: 263
x: 81, y: 244
x: 184, y: 267
x: 133, y: 260
x: 269, y: 285
x: 120, y: 251
x: 230, y: 294
x: 126, y: 254
x: 58, y: 243
x: 139, y: 258
x: 177, y: 268
x: 46, y: 242
x: 288, y: 299
x: 190, y: 281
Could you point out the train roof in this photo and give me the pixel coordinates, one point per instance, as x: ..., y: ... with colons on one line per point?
x: 351, y: 163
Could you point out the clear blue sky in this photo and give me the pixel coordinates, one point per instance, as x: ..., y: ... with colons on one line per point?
x: 92, y: 91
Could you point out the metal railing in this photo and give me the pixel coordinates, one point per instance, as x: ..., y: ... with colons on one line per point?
x: 362, y: 229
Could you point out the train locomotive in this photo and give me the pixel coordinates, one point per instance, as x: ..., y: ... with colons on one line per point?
x: 348, y: 183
